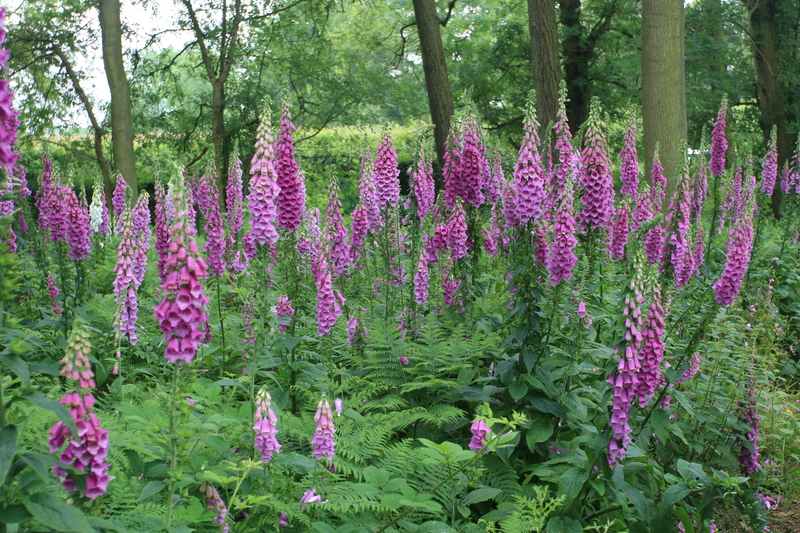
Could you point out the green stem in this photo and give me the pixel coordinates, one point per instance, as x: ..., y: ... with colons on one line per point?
x: 173, y: 445
x: 222, y: 330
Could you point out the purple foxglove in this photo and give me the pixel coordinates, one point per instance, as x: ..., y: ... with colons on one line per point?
x: 595, y: 174
x: 492, y: 235
x: 125, y: 281
x: 141, y: 235
x: 740, y: 244
x: 749, y: 454
x: 528, y: 171
x: 567, y: 158
x: 510, y: 207
x: 480, y: 435
x: 424, y: 184
x: 422, y: 279
x: 292, y: 193
x: 233, y: 195
x: 322, y: 441
x: 284, y: 312
x: 215, y: 239
x: 265, y: 427
x: 651, y: 354
x: 386, y: 174
x: 452, y: 179
x: 118, y: 200
x: 719, y: 143
x: 471, y: 163
x: 161, y: 227
x: 214, y: 502
x: 86, y: 451
x: 368, y: 194
x: 619, y: 232
x: 326, y: 300
x: 626, y: 379
x: 264, y: 191
x: 336, y: 231
x: 181, y: 314
x: 457, y: 236
x: 77, y: 230
x: 496, y: 179
x: 769, y: 173
x: 52, y: 293
x: 562, y: 259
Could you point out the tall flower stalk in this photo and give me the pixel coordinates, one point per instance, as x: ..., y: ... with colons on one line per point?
x: 181, y: 314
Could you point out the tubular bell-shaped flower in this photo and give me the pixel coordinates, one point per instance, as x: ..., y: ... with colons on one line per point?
x: 740, y: 244
x: 528, y: 171
x: 322, y: 441
x: 118, y: 199
x: 215, y: 239
x: 595, y: 174
x: 86, y: 451
x: 265, y: 427
x: 233, y: 195
x: 719, y: 144
x: 424, y: 184
x: 625, y: 379
x: 124, y: 283
x: 562, y: 259
x: 292, y: 191
x: 77, y: 230
x: 769, y: 173
x: 471, y: 162
x: 181, y: 314
x: 386, y: 174
x: 264, y: 191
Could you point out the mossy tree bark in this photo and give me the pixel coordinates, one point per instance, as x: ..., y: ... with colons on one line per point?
x: 440, y: 100
x: 663, y: 86
x: 121, y: 120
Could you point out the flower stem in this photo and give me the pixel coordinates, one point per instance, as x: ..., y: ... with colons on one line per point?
x: 173, y: 445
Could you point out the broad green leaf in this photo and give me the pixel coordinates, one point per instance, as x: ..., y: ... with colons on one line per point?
x: 571, y: 483
x: 518, y: 390
x: 563, y: 524
x: 14, y: 514
x: 661, y: 424
x: 228, y: 383
x: 151, y: 488
x: 40, y: 463
x: 17, y: 366
x: 56, y: 514
x: 539, y: 432
x: 673, y: 495
x: 8, y: 449
x: 377, y: 477
x: 104, y: 525
x: 40, y: 400
x: 480, y: 495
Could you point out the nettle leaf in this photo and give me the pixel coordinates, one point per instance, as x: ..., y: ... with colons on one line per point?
x: 56, y: 514
x: 571, y: 482
x: 8, y: 449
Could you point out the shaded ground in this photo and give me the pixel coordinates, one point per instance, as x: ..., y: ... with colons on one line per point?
x: 786, y: 518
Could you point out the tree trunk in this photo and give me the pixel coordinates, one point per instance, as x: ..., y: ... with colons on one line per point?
x: 121, y: 120
x: 99, y: 133
x: 663, y: 86
x: 770, y: 93
x: 576, y: 64
x: 218, y: 134
x: 544, y: 58
x: 437, y: 83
